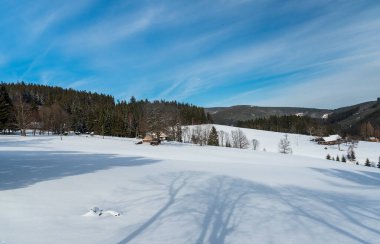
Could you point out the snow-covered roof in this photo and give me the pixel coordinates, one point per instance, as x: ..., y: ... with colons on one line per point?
x: 332, y: 138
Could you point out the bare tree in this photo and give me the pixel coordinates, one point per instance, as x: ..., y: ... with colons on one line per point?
x: 227, y: 139
x: 221, y: 137
x: 46, y: 115
x: 59, y: 118
x: 155, y: 118
x: 239, y: 139
x: 23, y: 114
x: 186, y: 135
x: 284, y: 145
x: 206, y: 133
x: 196, y: 135
x: 255, y: 144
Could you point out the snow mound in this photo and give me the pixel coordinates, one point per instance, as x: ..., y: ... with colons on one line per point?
x: 99, y: 212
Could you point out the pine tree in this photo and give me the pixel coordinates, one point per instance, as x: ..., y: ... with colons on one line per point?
x: 367, y: 163
x: 213, y: 139
x: 5, y: 109
x: 353, y: 156
x: 328, y: 157
x: 337, y: 158
x: 343, y: 159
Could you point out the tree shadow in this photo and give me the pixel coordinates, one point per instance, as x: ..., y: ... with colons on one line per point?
x: 216, y: 205
x: 351, y: 214
x: 23, y: 168
x: 359, y: 177
x: 219, y: 209
x: 174, y: 184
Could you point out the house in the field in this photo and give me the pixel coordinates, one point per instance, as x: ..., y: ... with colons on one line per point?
x: 330, y: 140
x: 149, y: 137
x: 163, y: 136
x: 373, y: 139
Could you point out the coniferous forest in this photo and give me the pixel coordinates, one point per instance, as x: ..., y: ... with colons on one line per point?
x: 47, y: 109
x: 291, y: 124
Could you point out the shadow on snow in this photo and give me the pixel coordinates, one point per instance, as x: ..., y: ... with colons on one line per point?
x: 218, y: 209
x: 23, y: 168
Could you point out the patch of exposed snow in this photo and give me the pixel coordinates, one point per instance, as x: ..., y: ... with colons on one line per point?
x: 325, y: 116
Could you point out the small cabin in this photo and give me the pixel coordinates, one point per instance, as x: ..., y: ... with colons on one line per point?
x: 330, y: 140
x: 148, y: 138
x: 373, y: 139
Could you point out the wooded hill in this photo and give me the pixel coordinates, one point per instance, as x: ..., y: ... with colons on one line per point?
x: 291, y: 124
x: 231, y: 115
x: 55, y: 109
x: 358, y: 121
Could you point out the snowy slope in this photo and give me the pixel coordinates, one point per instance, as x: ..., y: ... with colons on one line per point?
x: 176, y: 193
x: 302, y: 144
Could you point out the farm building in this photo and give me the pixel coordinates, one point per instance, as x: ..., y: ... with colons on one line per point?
x: 330, y: 140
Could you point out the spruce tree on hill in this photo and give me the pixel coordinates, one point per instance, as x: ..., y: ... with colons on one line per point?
x: 353, y: 155
x: 367, y: 163
x: 5, y: 109
x: 213, y: 139
x: 343, y: 159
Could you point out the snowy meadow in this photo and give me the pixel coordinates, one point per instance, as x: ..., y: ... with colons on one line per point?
x: 184, y: 193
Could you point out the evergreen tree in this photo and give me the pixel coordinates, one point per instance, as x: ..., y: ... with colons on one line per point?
x: 328, y: 157
x: 337, y: 158
x: 353, y: 155
x: 5, y: 109
x: 343, y: 159
x: 45, y: 108
x: 213, y: 138
x: 367, y: 163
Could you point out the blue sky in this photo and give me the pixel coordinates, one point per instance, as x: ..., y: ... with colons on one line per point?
x: 316, y: 53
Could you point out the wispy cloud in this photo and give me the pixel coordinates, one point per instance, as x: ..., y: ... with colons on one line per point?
x: 313, y: 45
x: 250, y: 52
x: 111, y: 29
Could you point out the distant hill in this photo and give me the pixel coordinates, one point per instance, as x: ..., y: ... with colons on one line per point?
x: 345, y: 120
x: 231, y: 115
x: 351, y: 117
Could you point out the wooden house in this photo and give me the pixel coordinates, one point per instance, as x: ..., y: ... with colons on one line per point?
x: 330, y: 140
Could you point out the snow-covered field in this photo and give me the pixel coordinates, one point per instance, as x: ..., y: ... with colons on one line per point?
x: 177, y: 193
x: 302, y: 145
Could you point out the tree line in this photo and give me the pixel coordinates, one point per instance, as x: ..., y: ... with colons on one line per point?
x: 48, y: 109
x: 312, y: 126
x: 290, y: 124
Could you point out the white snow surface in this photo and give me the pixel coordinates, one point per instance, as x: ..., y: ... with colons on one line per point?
x: 182, y: 193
